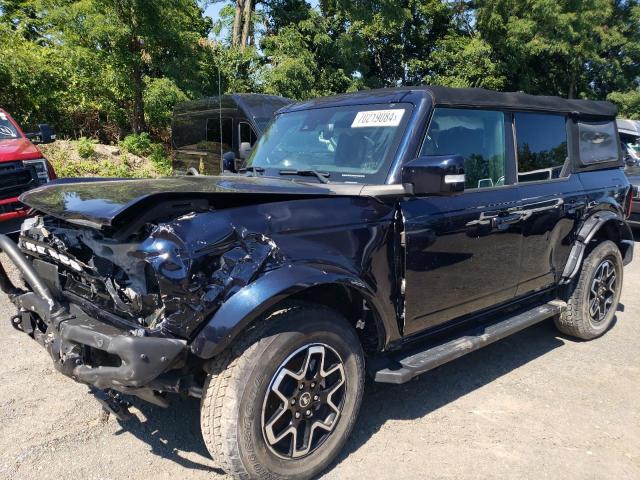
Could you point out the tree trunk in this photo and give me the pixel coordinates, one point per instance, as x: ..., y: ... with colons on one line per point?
x: 237, y: 21
x: 246, y: 27
x: 573, y: 86
x: 138, y: 124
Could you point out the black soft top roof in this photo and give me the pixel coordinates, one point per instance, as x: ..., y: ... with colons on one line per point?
x: 467, y: 97
x: 478, y: 97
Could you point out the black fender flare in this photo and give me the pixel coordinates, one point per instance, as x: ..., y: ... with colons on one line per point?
x: 587, y: 231
x: 255, y: 299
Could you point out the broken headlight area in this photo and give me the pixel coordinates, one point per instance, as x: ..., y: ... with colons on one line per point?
x: 166, y: 279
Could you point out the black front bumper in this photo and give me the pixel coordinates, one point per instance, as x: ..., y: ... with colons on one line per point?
x: 82, y: 347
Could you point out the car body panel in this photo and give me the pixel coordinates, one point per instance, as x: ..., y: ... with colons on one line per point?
x: 457, y: 261
x: 553, y: 211
x: 18, y: 149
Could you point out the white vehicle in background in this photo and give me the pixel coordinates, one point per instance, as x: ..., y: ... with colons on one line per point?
x: 629, y: 131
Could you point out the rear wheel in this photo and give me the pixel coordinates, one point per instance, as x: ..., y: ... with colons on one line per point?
x: 282, y: 402
x: 595, y: 295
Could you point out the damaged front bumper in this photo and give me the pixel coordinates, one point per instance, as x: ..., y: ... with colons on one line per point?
x: 90, y: 351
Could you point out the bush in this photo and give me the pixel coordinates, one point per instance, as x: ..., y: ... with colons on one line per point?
x: 160, y: 96
x: 86, y: 147
x: 161, y: 161
x: 137, y: 143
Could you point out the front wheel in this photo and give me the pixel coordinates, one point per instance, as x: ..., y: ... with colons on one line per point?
x: 283, y: 401
x: 594, y: 298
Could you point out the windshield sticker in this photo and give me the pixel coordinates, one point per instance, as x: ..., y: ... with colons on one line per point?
x: 378, y: 118
x: 7, y: 132
x: 3, y: 116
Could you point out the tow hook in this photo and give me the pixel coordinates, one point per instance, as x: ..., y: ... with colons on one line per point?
x: 16, y: 322
x: 112, y: 403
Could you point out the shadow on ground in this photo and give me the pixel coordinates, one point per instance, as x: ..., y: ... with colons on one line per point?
x: 177, y: 429
x: 171, y: 432
x: 445, y: 384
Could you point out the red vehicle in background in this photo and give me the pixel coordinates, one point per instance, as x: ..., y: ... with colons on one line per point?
x: 22, y: 167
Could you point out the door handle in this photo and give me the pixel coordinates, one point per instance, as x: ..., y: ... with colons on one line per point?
x: 503, y: 222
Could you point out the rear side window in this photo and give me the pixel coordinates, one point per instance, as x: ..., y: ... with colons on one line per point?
x: 476, y: 135
x: 219, y: 135
x: 598, y: 142
x: 542, y: 146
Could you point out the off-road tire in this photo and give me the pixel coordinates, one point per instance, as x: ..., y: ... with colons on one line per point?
x: 234, y: 392
x: 576, y: 320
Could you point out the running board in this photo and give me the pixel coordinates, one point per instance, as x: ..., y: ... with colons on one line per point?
x: 402, y: 367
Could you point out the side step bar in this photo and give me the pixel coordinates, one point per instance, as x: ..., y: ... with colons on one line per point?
x: 406, y: 365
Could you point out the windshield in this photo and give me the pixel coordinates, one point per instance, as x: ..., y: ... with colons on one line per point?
x: 352, y: 144
x: 7, y: 129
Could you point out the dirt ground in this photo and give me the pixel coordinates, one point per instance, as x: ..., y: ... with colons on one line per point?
x: 534, y: 406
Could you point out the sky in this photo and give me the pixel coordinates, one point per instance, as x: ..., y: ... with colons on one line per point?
x: 213, y: 9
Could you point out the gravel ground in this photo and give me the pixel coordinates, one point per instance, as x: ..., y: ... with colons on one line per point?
x: 536, y: 405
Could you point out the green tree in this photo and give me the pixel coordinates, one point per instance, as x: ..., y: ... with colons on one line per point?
x: 628, y: 103
x: 134, y: 39
x: 160, y: 96
x: 302, y: 61
x: 32, y: 78
x: 565, y: 47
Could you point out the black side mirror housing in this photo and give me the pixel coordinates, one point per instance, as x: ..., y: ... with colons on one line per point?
x: 45, y: 134
x: 229, y: 162
x: 435, y: 175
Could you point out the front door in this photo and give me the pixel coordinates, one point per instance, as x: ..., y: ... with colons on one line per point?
x: 462, y: 253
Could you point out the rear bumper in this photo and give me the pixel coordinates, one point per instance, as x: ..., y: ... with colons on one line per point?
x: 84, y: 348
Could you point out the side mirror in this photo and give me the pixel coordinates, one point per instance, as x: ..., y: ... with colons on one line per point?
x: 435, y: 175
x: 44, y: 135
x: 229, y: 162
x: 245, y: 150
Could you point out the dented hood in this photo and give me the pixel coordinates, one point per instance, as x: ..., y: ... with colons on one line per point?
x: 106, y: 203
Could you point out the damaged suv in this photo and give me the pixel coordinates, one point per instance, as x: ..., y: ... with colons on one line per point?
x: 384, y: 231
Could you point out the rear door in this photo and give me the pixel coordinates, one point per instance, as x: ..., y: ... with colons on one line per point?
x: 551, y: 198
x: 462, y: 253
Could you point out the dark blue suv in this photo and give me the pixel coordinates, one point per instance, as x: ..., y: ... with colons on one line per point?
x: 385, y: 231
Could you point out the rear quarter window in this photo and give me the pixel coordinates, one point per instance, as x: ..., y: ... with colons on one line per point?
x: 598, y: 142
x: 542, y: 146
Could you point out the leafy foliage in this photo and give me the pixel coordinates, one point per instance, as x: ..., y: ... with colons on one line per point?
x: 86, y: 147
x: 137, y: 143
x: 106, y: 68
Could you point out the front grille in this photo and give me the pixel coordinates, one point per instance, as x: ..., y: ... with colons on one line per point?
x: 8, y: 166
x: 11, y: 207
x: 15, y: 181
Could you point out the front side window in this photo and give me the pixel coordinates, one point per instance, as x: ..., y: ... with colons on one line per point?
x: 476, y: 135
x: 7, y: 130
x: 598, y: 142
x: 355, y: 143
x: 542, y: 146
x: 246, y: 133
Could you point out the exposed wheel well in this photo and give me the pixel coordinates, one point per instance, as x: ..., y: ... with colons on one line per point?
x: 611, y: 230
x: 353, y: 306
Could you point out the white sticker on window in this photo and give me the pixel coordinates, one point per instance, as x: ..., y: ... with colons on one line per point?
x: 3, y: 116
x: 378, y: 118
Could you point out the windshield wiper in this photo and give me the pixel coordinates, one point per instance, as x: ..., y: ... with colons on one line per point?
x: 321, y: 176
x: 251, y: 170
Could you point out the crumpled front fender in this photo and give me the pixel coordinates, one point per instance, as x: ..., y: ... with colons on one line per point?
x: 255, y: 299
